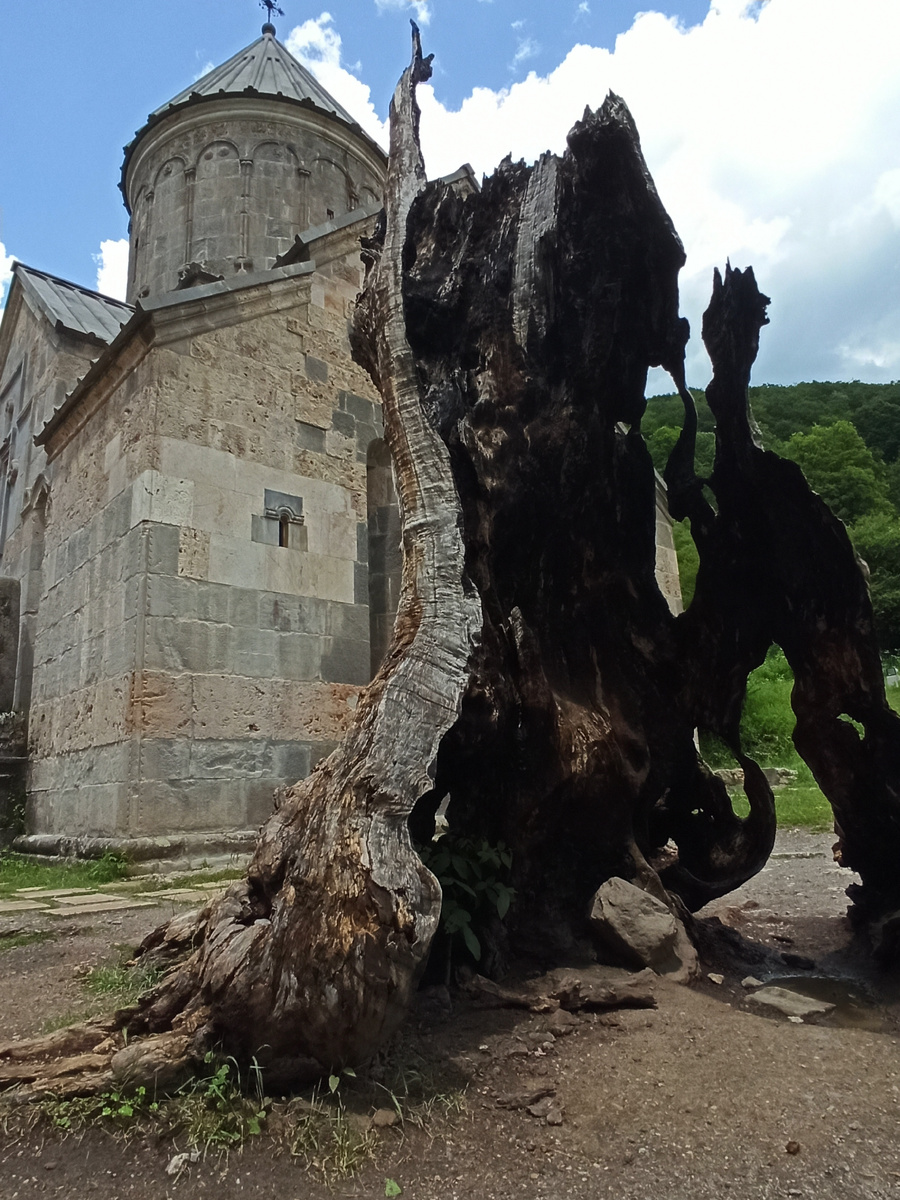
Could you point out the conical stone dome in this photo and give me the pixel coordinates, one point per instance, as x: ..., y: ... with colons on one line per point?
x: 224, y: 176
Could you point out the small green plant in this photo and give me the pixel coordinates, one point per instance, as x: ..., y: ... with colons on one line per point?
x: 115, y: 1109
x: 392, y: 1188
x: 474, y: 879
x: 122, y: 1106
x: 215, y: 1111
x: 109, y: 868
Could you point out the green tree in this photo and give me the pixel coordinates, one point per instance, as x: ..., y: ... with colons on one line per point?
x: 660, y: 443
x: 878, y: 422
x: 877, y: 541
x: 688, y: 559
x: 841, y: 468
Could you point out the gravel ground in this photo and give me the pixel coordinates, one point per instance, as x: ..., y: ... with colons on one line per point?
x: 699, y: 1097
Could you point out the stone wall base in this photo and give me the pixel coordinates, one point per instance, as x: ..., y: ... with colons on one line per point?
x: 148, y: 855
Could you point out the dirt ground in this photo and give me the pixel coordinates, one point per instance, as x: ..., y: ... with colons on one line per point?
x: 699, y: 1097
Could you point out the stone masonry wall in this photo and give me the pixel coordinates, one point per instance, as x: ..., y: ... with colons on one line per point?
x: 229, y: 183
x: 666, y: 560
x: 41, y: 365
x: 189, y: 663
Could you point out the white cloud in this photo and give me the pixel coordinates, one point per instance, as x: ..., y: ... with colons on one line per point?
x: 421, y: 8
x: 769, y: 130
x: 205, y: 70
x: 6, y: 262
x: 112, y: 268
x: 317, y: 44
x: 527, y: 48
x: 583, y: 10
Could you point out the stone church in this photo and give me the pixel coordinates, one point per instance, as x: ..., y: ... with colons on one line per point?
x: 199, y: 537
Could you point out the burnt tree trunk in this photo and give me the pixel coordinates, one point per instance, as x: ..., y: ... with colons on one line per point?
x: 536, y: 677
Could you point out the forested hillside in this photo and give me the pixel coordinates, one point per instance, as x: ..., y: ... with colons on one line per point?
x: 846, y: 438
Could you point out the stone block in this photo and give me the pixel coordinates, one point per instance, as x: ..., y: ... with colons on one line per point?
x: 212, y: 600
x: 278, y: 502
x: 290, y: 760
x: 348, y: 621
x: 238, y: 562
x: 259, y: 800
x: 254, y: 653
x: 316, y: 369
x: 228, y: 759
x: 116, y: 518
x: 79, y: 545
x: 362, y: 542
x: 344, y: 423
x: 176, y: 645
x: 171, y: 596
x: 161, y: 498
x: 129, y: 552
x: 340, y: 447
x: 163, y: 550
x: 244, y: 608
x: 360, y: 583
x: 365, y: 436
x: 310, y: 437
x: 298, y: 656
x: 293, y: 614
x: 165, y: 758
x: 193, y: 552
x: 220, y: 648
x: 265, y: 530
x: 358, y: 406
x: 119, y: 647
x: 187, y: 806
x: 100, y: 810
x: 346, y: 661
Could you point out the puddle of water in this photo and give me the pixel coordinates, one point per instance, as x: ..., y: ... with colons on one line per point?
x: 854, y: 1007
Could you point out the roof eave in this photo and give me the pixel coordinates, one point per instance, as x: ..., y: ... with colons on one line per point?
x: 22, y: 273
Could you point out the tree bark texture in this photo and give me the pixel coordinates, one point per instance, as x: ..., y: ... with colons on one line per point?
x: 536, y: 678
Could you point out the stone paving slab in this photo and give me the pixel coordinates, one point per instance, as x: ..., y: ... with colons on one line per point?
x: 111, y: 904
x: 187, y: 894
x: 34, y: 893
x: 87, y: 898
x: 103, y: 898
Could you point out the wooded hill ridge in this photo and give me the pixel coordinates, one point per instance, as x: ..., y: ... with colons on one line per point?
x: 846, y: 439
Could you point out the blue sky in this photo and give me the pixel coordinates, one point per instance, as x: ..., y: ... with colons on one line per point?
x: 770, y: 127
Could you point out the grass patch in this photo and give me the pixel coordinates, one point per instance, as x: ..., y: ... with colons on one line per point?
x: 64, y: 1020
x: 12, y: 941
x: 800, y: 805
x: 328, y: 1130
x: 21, y: 871
x: 121, y: 985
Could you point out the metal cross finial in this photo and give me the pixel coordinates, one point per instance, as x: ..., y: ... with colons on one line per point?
x: 272, y: 8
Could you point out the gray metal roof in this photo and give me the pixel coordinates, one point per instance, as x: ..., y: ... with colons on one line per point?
x: 74, y: 308
x: 265, y: 68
